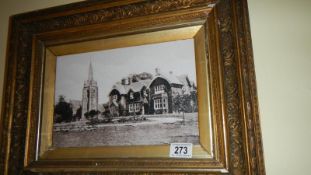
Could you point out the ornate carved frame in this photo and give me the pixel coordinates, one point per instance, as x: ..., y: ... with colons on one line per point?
x: 230, y: 66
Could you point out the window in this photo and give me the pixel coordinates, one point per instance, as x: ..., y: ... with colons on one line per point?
x: 164, y: 103
x: 93, y: 93
x: 131, y: 108
x: 159, y: 89
x: 137, y: 107
x: 157, y: 104
x: 160, y: 103
x: 131, y: 95
x: 134, y: 107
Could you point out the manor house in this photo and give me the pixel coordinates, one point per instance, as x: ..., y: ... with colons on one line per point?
x: 147, y: 94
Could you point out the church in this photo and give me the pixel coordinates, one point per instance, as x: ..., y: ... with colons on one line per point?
x: 89, y: 94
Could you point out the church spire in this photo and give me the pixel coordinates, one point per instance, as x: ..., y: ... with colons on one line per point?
x: 90, y: 78
x: 89, y: 94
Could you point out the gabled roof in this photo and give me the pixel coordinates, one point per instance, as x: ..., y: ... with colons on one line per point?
x: 119, y: 87
x: 171, y: 78
x: 137, y: 86
x: 134, y: 86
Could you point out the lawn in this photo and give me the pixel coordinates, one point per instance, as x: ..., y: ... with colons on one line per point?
x: 155, y: 130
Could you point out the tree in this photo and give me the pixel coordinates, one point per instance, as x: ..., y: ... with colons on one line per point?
x: 91, y: 114
x: 182, y: 103
x: 107, y: 115
x: 63, y: 111
x: 78, y: 114
x: 194, y: 100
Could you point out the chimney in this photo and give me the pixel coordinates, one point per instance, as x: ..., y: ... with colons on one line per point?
x: 129, y: 80
x: 157, y: 71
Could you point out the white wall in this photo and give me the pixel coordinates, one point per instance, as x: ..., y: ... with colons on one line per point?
x: 12, y: 7
x: 281, y: 32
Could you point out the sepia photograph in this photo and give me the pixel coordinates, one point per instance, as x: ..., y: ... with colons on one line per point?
x: 139, y: 95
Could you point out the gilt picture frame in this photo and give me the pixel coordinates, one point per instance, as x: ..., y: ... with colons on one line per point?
x: 228, y: 138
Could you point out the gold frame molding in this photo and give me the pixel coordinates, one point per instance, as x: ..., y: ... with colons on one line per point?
x: 47, y: 152
x: 230, y: 133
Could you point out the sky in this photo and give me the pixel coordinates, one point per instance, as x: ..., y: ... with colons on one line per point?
x: 110, y: 66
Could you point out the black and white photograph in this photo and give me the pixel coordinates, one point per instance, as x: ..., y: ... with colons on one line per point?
x: 139, y: 95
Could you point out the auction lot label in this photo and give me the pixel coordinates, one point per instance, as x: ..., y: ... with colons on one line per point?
x: 181, y: 150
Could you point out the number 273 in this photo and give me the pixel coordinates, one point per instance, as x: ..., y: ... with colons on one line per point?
x: 181, y: 150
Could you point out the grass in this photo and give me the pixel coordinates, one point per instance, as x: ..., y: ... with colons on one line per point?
x: 155, y: 130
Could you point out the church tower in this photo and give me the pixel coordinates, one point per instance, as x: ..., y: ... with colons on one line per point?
x: 89, y: 94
